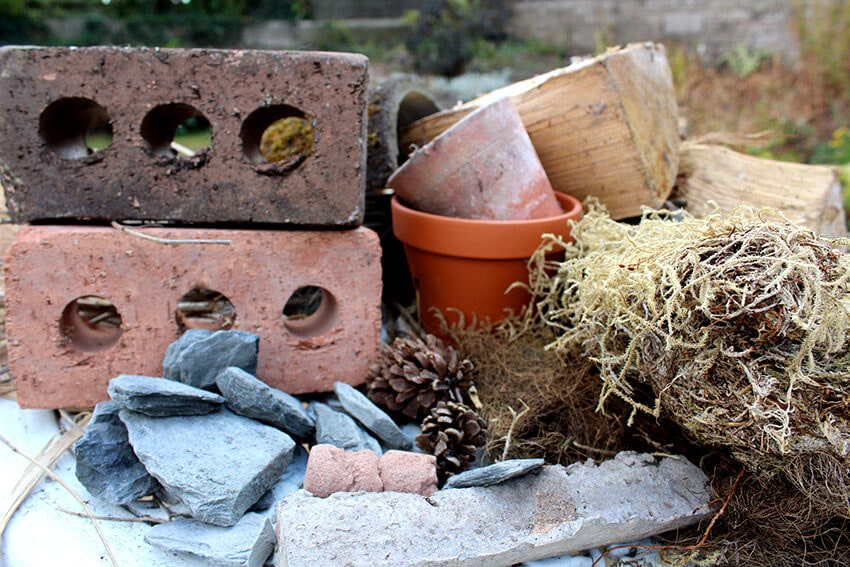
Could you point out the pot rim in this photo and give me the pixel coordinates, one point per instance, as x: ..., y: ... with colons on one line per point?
x: 480, y: 239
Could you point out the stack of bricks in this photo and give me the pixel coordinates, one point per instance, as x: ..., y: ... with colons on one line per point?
x: 88, y: 299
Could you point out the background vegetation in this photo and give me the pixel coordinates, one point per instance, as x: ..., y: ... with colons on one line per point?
x: 803, y: 105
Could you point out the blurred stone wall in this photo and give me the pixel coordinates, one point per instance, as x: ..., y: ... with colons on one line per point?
x: 713, y: 27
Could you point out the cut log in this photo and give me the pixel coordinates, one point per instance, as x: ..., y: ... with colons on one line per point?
x: 809, y: 195
x: 605, y: 126
x: 394, y: 103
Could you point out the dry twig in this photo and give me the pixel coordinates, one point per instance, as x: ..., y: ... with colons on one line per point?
x: 63, y: 484
x: 171, y: 241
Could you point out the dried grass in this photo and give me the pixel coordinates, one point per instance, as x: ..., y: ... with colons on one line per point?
x: 538, y: 404
x: 738, y: 326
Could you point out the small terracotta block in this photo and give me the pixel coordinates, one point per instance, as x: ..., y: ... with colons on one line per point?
x: 331, y: 469
x: 51, y: 99
x: 62, y: 361
x: 402, y: 471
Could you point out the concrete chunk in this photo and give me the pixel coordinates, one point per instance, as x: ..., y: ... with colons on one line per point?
x: 157, y: 397
x: 218, y: 464
x: 248, y: 396
x: 558, y: 511
x: 247, y: 544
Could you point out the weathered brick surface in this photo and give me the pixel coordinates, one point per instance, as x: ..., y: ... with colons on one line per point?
x: 48, y: 267
x: 138, y: 177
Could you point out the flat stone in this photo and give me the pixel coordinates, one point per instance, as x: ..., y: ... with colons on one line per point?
x: 246, y: 544
x: 218, y: 464
x: 291, y: 480
x: 494, y: 474
x: 340, y: 430
x: 198, y: 356
x: 106, y: 463
x: 248, y: 396
x: 158, y: 397
x: 561, y: 510
x: 371, y: 416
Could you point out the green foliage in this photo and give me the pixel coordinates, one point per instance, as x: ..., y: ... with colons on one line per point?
x: 744, y: 61
x: 192, y: 29
x: 22, y: 28
x: 836, y: 151
x: 823, y: 29
x: 334, y: 35
x: 445, y: 34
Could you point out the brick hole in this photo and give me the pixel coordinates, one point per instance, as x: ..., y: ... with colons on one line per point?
x: 414, y: 105
x: 91, y: 323
x: 75, y: 127
x: 310, y: 311
x: 203, y: 308
x: 176, y: 130
x: 278, y: 134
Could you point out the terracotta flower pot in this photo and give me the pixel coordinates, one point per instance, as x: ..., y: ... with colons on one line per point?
x: 467, y: 265
x: 483, y: 167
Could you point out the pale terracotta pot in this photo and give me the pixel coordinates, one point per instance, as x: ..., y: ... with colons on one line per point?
x: 465, y: 266
x: 483, y: 167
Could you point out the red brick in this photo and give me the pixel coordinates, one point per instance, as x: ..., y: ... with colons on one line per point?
x: 403, y: 471
x: 48, y: 267
x: 331, y: 469
x: 136, y: 179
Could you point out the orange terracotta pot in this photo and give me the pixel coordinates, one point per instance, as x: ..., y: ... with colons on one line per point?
x: 466, y: 266
x: 483, y: 167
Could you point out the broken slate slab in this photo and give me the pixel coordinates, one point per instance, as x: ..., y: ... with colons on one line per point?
x: 246, y: 544
x: 340, y: 430
x: 371, y: 416
x: 158, y: 397
x: 198, y: 356
x: 247, y: 395
x: 217, y: 464
x: 558, y: 511
x: 291, y: 480
x: 494, y: 474
x: 106, y: 464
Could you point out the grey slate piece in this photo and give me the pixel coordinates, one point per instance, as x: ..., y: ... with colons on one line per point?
x: 217, y: 464
x: 246, y: 544
x: 198, y: 356
x: 247, y: 395
x: 106, y: 412
x: 371, y: 416
x: 494, y: 474
x: 106, y: 463
x: 158, y: 397
x: 340, y: 430
x: 290, y: 481
x: 558, y: 511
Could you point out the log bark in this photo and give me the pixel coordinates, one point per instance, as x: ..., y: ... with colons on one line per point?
x: 604, y: 127
x: 716, y: 178
x: 394, y: 103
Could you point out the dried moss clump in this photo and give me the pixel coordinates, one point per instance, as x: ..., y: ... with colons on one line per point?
x: 738, y: 324
x: 538, y: 404
x: 285, y: 138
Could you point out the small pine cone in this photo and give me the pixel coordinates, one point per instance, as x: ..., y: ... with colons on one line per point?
x: 452, y: 432
x: 411, y: 376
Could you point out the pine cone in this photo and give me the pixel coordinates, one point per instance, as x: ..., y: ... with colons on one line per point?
x: 452, y: 432
x: 411, y: 376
